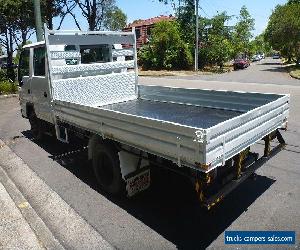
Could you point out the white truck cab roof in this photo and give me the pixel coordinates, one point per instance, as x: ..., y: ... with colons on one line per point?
x: 32, y: 45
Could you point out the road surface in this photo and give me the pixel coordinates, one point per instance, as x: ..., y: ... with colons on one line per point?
x: 265, y: 71
x: 168, y: 216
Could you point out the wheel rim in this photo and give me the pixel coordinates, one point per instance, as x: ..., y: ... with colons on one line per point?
x: 105, y: 169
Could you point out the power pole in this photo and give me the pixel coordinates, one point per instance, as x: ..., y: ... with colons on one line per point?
x: 197, y: 35
x: 38, y: 20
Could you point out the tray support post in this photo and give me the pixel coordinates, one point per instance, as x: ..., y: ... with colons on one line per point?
x: 267, y: 148
x: 238, y: 164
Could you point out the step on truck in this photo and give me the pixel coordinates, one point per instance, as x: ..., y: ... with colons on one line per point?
x: 85, y: 84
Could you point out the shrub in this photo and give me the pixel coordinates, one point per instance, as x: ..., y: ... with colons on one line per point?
x: 166, y: 49
x: 3, y: 75
x: 7, y: 87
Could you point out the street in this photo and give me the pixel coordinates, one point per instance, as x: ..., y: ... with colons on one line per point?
x: 265, y: 71
x: 168, y: 215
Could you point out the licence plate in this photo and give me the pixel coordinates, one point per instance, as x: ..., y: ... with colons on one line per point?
x: 138, y: 182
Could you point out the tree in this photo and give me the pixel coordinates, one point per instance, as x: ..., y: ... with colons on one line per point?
x: 115, y: 19
x: 283, y: 30
x: 218, y: 42
x: 243, y: 32
x: 94, y: 11
x: 166, y: 49
x: 54, y: 8
x: 260, y: 45
x: 293, y: 2
x: 16, y: 23
x: 186, y: 18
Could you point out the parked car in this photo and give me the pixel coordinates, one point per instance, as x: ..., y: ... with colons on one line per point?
x: 256, y: 58
x: 241, y: 63
x: 276, y: 56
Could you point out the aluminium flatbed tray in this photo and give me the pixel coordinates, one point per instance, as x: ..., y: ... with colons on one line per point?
x: 196, y: 128
x: 151, y: 124
x: 189, y: 115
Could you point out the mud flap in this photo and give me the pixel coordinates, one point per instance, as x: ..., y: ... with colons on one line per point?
x: 137, y: 181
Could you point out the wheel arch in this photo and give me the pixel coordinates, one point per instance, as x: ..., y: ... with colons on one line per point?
x: 29, y: 108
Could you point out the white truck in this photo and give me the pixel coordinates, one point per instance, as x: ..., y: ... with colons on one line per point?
x: 85, y: 84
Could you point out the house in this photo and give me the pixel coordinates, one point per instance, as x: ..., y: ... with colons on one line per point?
x: 143, y: 28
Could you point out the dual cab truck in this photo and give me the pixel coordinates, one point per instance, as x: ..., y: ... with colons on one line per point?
x: 85, y: 84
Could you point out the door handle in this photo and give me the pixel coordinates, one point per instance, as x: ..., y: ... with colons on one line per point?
x: 45, y: 94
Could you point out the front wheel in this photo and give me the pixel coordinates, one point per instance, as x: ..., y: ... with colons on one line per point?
x: 35, y: 126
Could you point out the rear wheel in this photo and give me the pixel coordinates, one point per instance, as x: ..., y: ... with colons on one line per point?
x: 107, y: 170
x: 35, y: 126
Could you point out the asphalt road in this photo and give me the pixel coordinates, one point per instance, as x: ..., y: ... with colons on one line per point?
x: 265, y: 71
x: 168, y: 216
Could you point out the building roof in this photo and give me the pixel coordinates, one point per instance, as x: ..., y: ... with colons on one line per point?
x: 150, y: 21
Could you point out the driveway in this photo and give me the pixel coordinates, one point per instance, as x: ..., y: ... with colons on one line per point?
x: 266, y: 71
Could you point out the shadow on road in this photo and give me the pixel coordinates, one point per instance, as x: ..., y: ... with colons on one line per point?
x: 170, y: 206
x: 279, y: 69
x: 270, y: 63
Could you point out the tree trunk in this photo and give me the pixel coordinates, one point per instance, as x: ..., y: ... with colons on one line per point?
x: 93, y: 16
x: 10, y: 71
x: 50, y: 23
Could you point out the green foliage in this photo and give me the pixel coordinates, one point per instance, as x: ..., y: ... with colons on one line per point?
x: 220, y: 50
x: 94, y: 12
x: 294, y: 1
x: 186, y: 20
x: 218, y: 40
x: 7, y: 87
x: 166, y: 49
x: 3, y: 76
x: 115, y: 19
x: 283, y: 30
x: 16, y: 22
x: 243, y: 32
x: 51, y: 9
x: 260, y: 45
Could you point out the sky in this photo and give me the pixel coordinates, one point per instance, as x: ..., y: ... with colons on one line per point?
x: 143, y: 9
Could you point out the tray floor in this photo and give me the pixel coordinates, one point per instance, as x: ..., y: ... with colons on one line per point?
x: 195, y: 116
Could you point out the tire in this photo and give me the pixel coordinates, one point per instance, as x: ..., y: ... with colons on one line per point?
x: 35, y: 126
x: 106, y: 166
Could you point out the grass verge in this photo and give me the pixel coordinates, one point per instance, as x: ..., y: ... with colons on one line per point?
x: 294, y: 71
x: 205, y: 71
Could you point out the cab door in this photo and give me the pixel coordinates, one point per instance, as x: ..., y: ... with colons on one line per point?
x: 24, y: 78
x: 39, y: 84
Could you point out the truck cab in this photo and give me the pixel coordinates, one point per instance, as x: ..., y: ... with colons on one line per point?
x: 33, y: 80
x: 33, y: 73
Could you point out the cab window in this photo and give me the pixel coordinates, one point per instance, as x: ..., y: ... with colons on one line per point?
x: 71, y: 61
x: 39, y: 61
x: 95, y: 53
x: 23, y: 69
